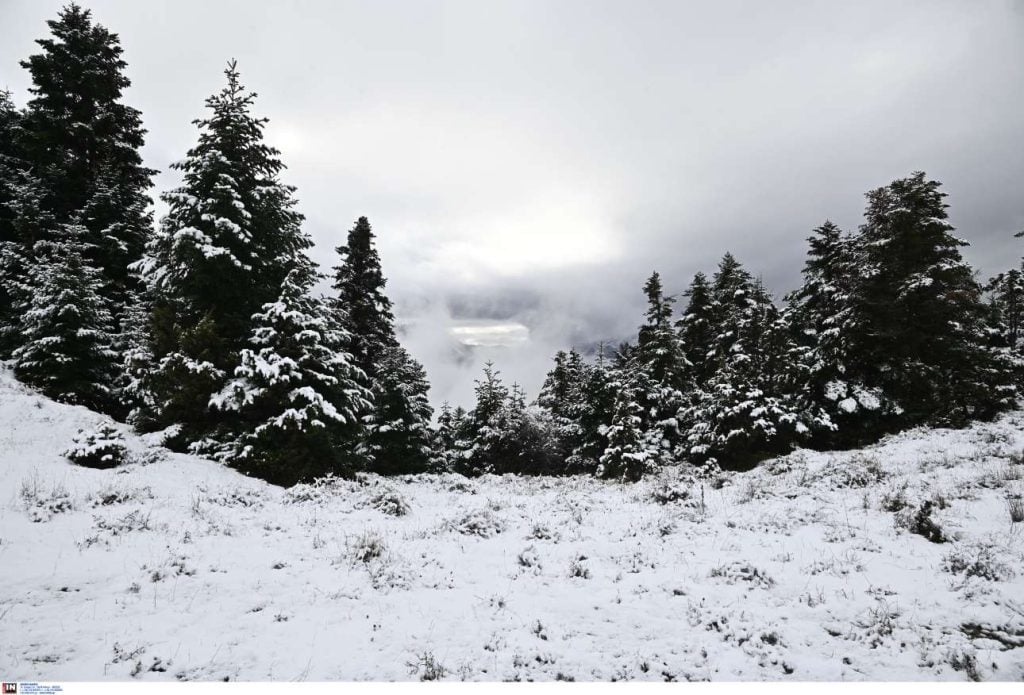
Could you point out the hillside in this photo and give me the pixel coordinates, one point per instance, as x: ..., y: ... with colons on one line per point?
x: 173, y: 567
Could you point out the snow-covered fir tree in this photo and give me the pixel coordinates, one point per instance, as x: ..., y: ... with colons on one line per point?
x: 66, y: 351
x: 491, y: 396
x: 661, y: 355
x: 563, y: 396
x: 83, y: 145
x: 739, y: 414
x: 697, y: 330
x: 230, y: 237
x: 632, y: 450
x: 294, y: 392
x: 921, y: 324
x: 398, y: 421
x: 835, y: 404
x: 1006, y: 301
x: 11, y: 166
x: 397, y: 436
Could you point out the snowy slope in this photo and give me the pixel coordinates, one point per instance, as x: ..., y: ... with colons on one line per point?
x: 173, y: 567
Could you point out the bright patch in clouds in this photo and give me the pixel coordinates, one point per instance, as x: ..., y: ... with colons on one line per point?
x: 490, y: 333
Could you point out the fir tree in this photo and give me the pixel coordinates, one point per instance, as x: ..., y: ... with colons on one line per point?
x: 563, y: 396
x: 66, y: 350
x: 740, y: 415
x: 445, y: 438
x: 397, y: 439
x: 294, y: 391
x: 630, y: 453
x: 491, y: 397
x: 83, y: 145
x: 11, y: 167
x: 365, y: 308
x: 921, y: 318
x: 660, y: 354
x: 697, y: 330
x: 824, y: 381
x: 399, y: 417
x: 230, y: 237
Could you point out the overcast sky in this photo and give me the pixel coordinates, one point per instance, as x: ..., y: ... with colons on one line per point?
x: 526, y: 165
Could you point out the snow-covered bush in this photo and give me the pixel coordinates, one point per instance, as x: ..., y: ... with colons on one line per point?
x: 482, y: 523
x: 743, y: 572
x: 672, y: 484
x: 103, y: 448
x: 919, y: 521
x: 41, y: 505
x: 390, y: 502
x: 982, y: 560
x: 368, y: 545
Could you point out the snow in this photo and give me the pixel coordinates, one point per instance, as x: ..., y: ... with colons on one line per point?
x: 174, y: 567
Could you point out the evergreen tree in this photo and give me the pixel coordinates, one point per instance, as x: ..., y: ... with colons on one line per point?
x: 66, y: 350
x: 598, y: 395
x: 366, y: 309
x: 1006, y: 292
x: 742, y: 414
x: 83, y: 145
x: 491, y: 397
x: 839, y: 408
x: 294, y: 391
x: 11, y: 168
x: 564, y: 399
x: 1006, y: 303
x: 630, y: 453
x: 230, y: 237
x: 660, y: 354
x: 397, y: 438
x: 921, y: 318
x: 137, y: 363
x: 445, y: 438
x: 697, y: 330
x: 398, y: 429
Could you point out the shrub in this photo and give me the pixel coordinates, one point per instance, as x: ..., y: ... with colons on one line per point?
x: 368, y: 545
x: 980, y: 561
x: 922, y: 524
x: 103, y: 448
x: 482, y: 523
x: 42, y: 506
x: 1015, y: 506
x: 390, y: 502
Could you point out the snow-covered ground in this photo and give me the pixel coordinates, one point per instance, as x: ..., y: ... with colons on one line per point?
x: 173, y: 567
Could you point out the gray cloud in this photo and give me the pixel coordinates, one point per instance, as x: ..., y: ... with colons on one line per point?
x: 532, y: 162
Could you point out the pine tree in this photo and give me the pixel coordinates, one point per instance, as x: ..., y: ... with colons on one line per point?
x: 83, y: 145
x: 230, y: 237
x: 397, y: 439
x: 922, y: 321
x: 66, y: 350
x: 294, y: 391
